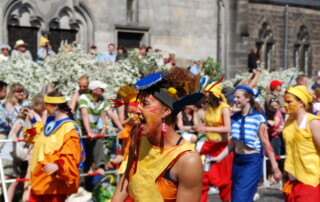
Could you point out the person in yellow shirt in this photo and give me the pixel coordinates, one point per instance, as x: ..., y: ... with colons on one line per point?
x: 217, y: 128
x: 162, y: 166
x: 301, y: 135
x: 57, y: 152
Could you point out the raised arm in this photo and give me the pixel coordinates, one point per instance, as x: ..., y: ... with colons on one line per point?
x: 254, y: 80
x: 74, y: 101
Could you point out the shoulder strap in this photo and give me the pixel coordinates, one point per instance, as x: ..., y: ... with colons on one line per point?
x: 179, y: 141
x: 172, y: 163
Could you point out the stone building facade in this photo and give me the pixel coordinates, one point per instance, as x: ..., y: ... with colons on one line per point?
x: 285, y: 31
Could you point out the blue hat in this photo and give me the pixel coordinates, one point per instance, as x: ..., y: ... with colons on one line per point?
x: 5, y: 46
x: 245, y: 88
x: 164, y: 95
x: 196, y: 60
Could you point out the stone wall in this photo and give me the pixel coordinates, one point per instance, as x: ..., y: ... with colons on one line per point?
x: 274, y: 15
x: 189, y: 28
x: 185, y: 27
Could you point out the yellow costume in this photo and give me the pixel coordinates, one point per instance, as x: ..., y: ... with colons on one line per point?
x: 125, y: 134
x: 152, y: 161
x: 63, y: 146
x: 302, y: 157
x: 214, y: 118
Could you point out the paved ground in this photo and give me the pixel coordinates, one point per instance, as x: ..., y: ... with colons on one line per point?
x: 266, y: 195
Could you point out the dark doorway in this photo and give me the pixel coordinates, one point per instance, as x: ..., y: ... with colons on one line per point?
x: 129, y: 39
x: 27, y: 34
x: 58, y: 35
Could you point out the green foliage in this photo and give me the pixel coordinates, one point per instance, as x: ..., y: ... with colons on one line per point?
x: 209, y: 67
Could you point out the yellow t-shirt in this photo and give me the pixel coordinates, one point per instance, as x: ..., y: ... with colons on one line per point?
x: 152, y: 161
x: 302, y: 158
x: 214, y: 118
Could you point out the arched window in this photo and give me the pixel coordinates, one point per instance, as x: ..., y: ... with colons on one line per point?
x: 62, y: 21
x: 23, y: 24
x: 265, y: 46
x: 132, y: 11
x: 302, y: 51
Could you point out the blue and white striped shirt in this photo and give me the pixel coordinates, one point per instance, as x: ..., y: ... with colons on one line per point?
x: 246, y: 129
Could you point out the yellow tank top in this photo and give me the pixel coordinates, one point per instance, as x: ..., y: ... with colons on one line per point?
x: 214, y: 118
x: 152, y: 161
x: 302, y: 158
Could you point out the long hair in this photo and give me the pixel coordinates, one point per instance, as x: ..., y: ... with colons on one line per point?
x: 214, y: 101
x: 64, y: 107
x: 255, y: 105
x: 270, y: 111
x: 11, y: 98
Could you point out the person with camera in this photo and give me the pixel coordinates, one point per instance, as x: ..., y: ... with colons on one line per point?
x: 45, y: 49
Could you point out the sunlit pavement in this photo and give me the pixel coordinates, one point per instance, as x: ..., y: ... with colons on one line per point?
x: 265, y: 195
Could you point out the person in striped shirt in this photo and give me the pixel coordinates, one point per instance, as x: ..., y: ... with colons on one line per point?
x: 249, y: 137
x: 91, y: 107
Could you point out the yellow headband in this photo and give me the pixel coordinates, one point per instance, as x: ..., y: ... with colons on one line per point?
x: 55, y: 100
x: 302, y: 93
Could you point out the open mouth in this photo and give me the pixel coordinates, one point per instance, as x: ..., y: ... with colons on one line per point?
x: 142, y: 123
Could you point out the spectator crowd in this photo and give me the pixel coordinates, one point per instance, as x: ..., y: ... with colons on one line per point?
x: 228, y: 128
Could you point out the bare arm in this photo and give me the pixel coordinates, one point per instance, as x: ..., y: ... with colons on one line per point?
x: 224, y: 153
x: 9, y: 107
x: 16, y: 131
x: 255, y: 78
x: 190, y: 183
x: 121, y: 116
x: 195, y: 117
x: 104, y: 122
x: 121, y: 111
x: 263, y: 134
x: 121, y: 193
x: 114, y: 119
x: 274, y: 122
x: 226, y: 124
x: 74, y: 101
x: 201, y: 114
x: 315, y: 129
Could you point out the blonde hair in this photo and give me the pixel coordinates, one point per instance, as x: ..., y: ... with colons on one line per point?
x: 37, y: 102
x: 13, y: 88
x: 21, y: 114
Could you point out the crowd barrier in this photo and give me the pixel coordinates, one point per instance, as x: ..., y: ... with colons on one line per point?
x: 266, y: 182
x: 4, y: 182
